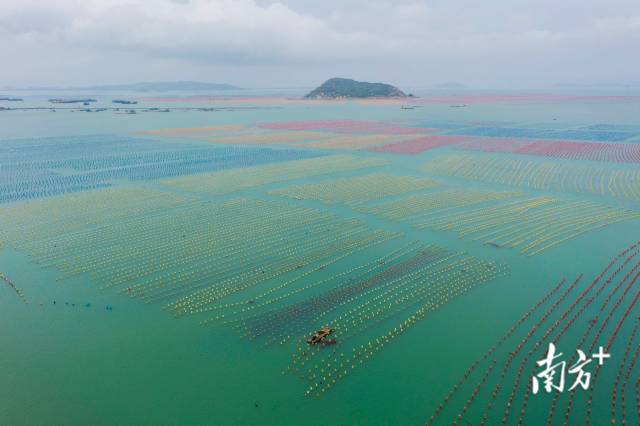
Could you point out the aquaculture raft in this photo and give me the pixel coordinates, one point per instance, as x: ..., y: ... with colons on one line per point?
x: 358, y: 304
x: 357, y: 189
x: 44, y: 167
x: 234, y: 180
x: 623, y: 183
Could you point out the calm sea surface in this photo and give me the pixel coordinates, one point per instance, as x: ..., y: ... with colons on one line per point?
x: 83, y: 353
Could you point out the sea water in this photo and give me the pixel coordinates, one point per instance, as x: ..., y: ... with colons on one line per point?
x: 78, y: 354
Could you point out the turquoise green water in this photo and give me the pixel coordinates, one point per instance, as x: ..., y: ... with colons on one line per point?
x: 137, y: 364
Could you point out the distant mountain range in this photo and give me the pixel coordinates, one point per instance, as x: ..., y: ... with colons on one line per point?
x: 166, y: 86
x: 451, y: 85
x: 346, y: 88
x: 621, y: 85
x: 159, y: 86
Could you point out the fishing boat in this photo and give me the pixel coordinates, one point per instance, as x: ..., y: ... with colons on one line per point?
x: 320, y: 335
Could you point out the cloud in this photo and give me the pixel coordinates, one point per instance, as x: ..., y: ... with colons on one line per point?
x: 445, y: 38
x: 211, y: 30
x: 243, y: 31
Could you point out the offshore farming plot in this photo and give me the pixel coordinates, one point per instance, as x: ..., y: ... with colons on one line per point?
x: 416, y: 146
x: 497, y: 387
x: 329, y: 135
x: 533, y: 225
x: 270, y: 138
x: 41, y: 167
x: 226, y: 182
x: 417, y: 207
x: 591, y: 151
x: 601, y: 135
x: 381, y: 308
x: 631, y: 128
x: 354, y: 142
x: 616, y: 182
x: 364, y: 308
x: 22, y: 224
x: 346, y: 126
x: 234, y: 134
x: 194, y: 254
x: 355, y: 190
x: 194, y: 131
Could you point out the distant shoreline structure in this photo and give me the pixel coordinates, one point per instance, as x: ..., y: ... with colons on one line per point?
x: 71, y: 101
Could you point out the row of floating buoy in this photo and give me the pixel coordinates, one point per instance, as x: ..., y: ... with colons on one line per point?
x: 352, y: 142
x: 176, y: 261
x: 266, y: 251
x: 612, y: 181
x: 543, y: 339
x: 318, y: 250
x: 39, y: 226
x: 439, y: 291
x: 295, y: 318
x: 612, y: 337
x: 615, y: 306
x: 213, y: 229
x: 592, y: 323
x: 623, y: 259
x: 254, y: 303
x: 264, y: 261
x: 534, y: 225
x: 366, y: 351
x: 556, y: 339
x: 452, y: 392
x: 412, y: 290
x: 87, y: 305
x: 231, y: 256
x: 228, y: 181
x: 349, y: 291
x: 267, y: 138
x: 419, y: 209
x: 98, y: 164
x: 520, y: 346
x: 15, y: 288
x: 361, y: 315
x: 572, y: 150
x: 512, y: 354
x: 355, y: 190
x: 619, y: 375
x: 625, y: 383
x: 474, y: 393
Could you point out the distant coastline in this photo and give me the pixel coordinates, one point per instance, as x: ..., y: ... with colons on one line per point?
x: 160, y: 86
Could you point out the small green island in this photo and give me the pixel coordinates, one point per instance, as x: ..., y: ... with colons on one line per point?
x: 339, y: 88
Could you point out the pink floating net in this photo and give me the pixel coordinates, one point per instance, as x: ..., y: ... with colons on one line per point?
x: 418, y: 145
x: 346, y: 126
x: 591, y: 151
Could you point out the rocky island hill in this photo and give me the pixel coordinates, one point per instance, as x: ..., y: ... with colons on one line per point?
x: 339, y: 88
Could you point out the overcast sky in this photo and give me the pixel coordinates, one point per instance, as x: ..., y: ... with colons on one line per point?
x: 261, y: 43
